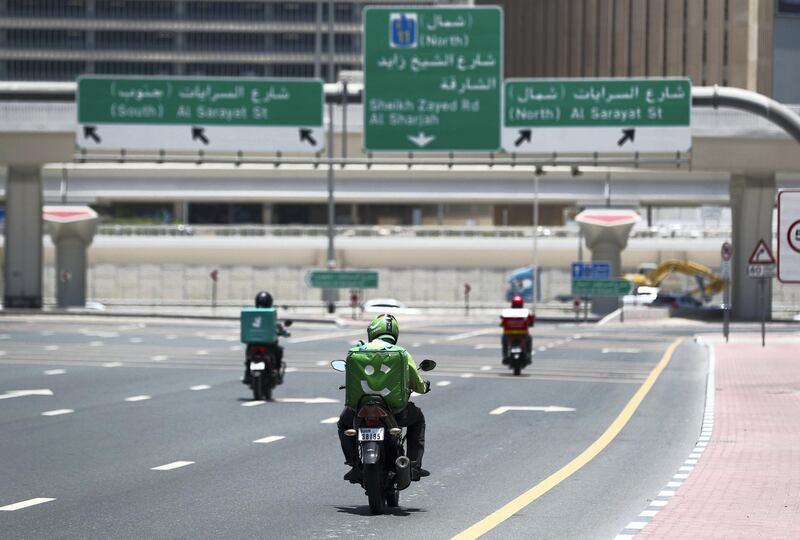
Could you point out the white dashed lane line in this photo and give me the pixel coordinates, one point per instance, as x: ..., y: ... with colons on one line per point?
x: 55, y: 371
x: 135, y: 340
x: 331, y: 420
x: 486, y: 368
x: 137, y: 398
x: 173, y: 465
x: 201, y: 352
x: 112, y: 364
x: 96, y: 344
x: 271, y: 438
x: 171, y: 337
x: 199, y: 387
x: 25, y: 504
x: 467, y: 375
x: 236, y: 348
x: 51, y: 347
x: 443, y: 383
x: 5, y: 336
x: 159, y: 358
x: 622, y: 350
x: 254, y: 403
x: 2, y: 353
x: 58, y: 412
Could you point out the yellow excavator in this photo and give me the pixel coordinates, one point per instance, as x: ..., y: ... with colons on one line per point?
x: 709, y: 283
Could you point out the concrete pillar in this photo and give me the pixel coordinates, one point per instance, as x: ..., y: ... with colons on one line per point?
x: 267, y: 212
x: 752, y: 203
x: 72, y: 229
x: 22, y: 269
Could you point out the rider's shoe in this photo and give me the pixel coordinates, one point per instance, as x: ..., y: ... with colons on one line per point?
x: 353, y: 476
x: 417, y: 473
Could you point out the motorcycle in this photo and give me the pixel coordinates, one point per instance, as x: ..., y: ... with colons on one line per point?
x: 266, y: 371
x: 385, y: 468
x: 518, y: 355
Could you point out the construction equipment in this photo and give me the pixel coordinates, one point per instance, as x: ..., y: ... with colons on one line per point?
x: 709, y: 283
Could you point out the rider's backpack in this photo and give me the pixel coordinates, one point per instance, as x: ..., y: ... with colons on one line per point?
x: 377, y: 369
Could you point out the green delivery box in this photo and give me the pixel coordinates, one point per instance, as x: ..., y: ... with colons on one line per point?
x: 258, y: 325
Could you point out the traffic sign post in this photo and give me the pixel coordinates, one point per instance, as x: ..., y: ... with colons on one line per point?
x: 432, y: 79
x: 342, y: 279
x: 761, y: 265
x: 726, y: 252
x: 789, y: 236
x: 601, y: 287
x: 177, y: 113
x: 597, y: 115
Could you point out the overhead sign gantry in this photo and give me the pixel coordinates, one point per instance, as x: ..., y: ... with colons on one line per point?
x: 265, y: 115
x: 597, y: 115
x: 432, y: 79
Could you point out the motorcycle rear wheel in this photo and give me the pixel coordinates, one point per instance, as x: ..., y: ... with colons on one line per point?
x: 266, y: 387
x: 256, y: 383
x: 373, y: 481
x: 517, y: 369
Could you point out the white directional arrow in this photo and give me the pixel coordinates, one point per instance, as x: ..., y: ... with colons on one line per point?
x: 21, y: 393
x: 549, y: 408
x: 421, y: 139
x: 308, y: 400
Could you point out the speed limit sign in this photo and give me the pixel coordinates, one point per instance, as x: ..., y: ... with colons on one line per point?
x: 789, y: 236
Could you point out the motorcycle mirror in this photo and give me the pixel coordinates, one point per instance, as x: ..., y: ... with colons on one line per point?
x: 287, y: 323
x: 427, y: 365
x: 338, y: 365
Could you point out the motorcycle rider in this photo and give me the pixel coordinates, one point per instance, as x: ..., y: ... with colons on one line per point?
x: 264, y: 300
x: 511, y: 325
x: 381, y: 331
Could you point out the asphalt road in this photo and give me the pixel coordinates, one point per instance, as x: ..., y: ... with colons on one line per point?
x: 131, y: 396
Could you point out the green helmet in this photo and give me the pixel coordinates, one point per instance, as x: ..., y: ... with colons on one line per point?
x: 383, y: 327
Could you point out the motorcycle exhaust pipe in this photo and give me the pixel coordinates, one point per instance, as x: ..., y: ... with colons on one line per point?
x: 402, y: 467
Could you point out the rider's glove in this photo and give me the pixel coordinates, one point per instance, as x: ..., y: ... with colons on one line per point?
x: 427, y: 386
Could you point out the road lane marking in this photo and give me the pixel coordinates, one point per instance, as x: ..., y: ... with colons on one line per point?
x: 55, y: 371
x: 236, y: 348
x: 5, y: 336
x: 474, y: 333
x: 135, y: 340
x: 96, y: 344
x: 549, y: 408
x: 137, y: 398
x: 57, y: 412
x: 253, y: 403
x: 46, y: 333
x: 202, y: 352
x: 171, y: 336
x: 159, y: 358
x: 502, y: 514
x: 308, y: 400
x: 330, y: 335
x: 112, y: 364
x: 322, y: 363
x: 290, y: 370
x: 486, y: 368
x: 22, y: 393
x: 2, y: 353
x: 271, y: 438
x: 25, y: 504
x: 331, y: 420
x: 481, y: 346
x: 51, y: 347
x: 199, y: 387
x: 443, y: 383
x: 467, y: 375
x: 620, y: 350
x: 173, y: 465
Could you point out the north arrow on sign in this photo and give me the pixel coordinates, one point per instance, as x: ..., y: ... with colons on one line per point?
x: 305, y: 135
x: 90, y: 132
x: 199, y: 133
x: 627, y: 135
x: 421, y: 139
x: 549, y: 408
x: 524, y: 135
x: 21, y: 393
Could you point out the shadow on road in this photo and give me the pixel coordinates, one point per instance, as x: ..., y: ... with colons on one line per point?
x: 364, y: 511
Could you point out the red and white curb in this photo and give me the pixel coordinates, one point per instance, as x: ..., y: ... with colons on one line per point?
x: 663, y: 497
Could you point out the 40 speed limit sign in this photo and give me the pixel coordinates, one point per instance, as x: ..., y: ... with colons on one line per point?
x: 789, y: 236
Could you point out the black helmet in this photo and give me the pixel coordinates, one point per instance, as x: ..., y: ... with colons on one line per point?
x: 264, y: 300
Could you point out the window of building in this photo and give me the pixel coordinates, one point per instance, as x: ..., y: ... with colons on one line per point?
x: 292, y: 42
x: 292, y: 70
x: 222, y: 213
x: 225, y: 70
x: 43, y: 70
x: 135, y: 9
x: 791, y: 7
x: 225, y: 11
x: 24, y: 38
x: 148, y: 41
x: 46, y: 8
x: 225, y: 41
x: 133, y: 68
x: 296, y: 11
x: 135, y: 213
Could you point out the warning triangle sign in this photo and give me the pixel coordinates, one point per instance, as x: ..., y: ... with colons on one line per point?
x: 762, y: 254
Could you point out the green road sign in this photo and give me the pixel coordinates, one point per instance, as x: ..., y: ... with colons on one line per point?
x: 342, y: 279
x: 200, y: 114
x: 597, y: 115
x: 601, y: 287
x: 432, y: 78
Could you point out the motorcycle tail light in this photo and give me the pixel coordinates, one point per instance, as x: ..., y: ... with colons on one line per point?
x: 373, y: 422
x: 259, y: 349
x: 371, y: 411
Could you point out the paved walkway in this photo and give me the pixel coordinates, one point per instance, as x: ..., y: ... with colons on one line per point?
x: 746, y: 484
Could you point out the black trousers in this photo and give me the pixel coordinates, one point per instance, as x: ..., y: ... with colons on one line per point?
x: 411, y: 418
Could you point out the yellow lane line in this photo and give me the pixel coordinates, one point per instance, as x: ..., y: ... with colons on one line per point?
x: 496, y: 518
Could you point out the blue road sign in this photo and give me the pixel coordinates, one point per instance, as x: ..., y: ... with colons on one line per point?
x: 592, y: 270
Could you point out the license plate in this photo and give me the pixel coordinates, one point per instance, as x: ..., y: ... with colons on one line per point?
x: 370, y: 434
x: 257, y: 366
x: 516, y: 350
